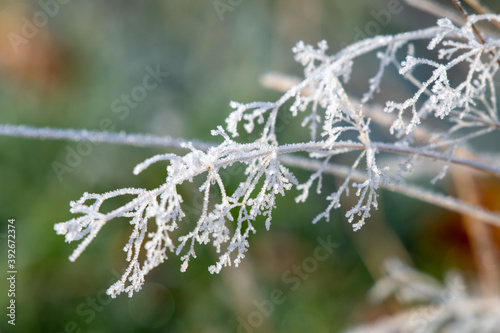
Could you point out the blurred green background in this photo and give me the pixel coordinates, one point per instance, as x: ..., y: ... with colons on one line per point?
x: 69, y: 74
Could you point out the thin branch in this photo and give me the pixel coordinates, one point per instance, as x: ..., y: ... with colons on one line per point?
x: 482, y: 10
x: 341, y: 171
x: 412, y: 191
x: 431, y: 154
x: 476, y: 31
x: 159, y: 141
x: 140, y: 140
x: 281, y: 82
x: 466, y: 18
x: 481, y: 241
x: 436, y: 9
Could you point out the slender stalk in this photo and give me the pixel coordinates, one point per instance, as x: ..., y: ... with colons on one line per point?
x: 482, y: 10
x: 481, y: 241
x: 438, y: 10
x: 141, y: 140
x: 308, y: 164
x: 159, y: 141
x: 476, y: 31
x: 434, y: 8
x: 281, y: 82
x: 416, y: 192
x: 465, y: 16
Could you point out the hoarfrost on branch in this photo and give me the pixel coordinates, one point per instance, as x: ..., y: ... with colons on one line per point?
x: 335, y: 123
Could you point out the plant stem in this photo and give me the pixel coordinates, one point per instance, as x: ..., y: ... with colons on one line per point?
x: 160, y: 141
x: 482, y: 10
x: 412, y: 191
x: 476, y: 31
x: 140, y: 140
x: 304, y: 163
x: 481, y: 241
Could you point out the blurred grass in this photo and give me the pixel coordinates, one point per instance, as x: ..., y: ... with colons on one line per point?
x: 91, y: 53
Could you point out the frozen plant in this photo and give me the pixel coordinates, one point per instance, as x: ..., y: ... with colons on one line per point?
x: 435, y: 306
x: 330, y: 115
x: 335, y: 122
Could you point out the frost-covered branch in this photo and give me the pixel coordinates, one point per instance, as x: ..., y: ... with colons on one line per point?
x: 335, y: 123
x: 412, y: 191
x: 177, y: 143
x: 142, y: 140
x: 409, y: 190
